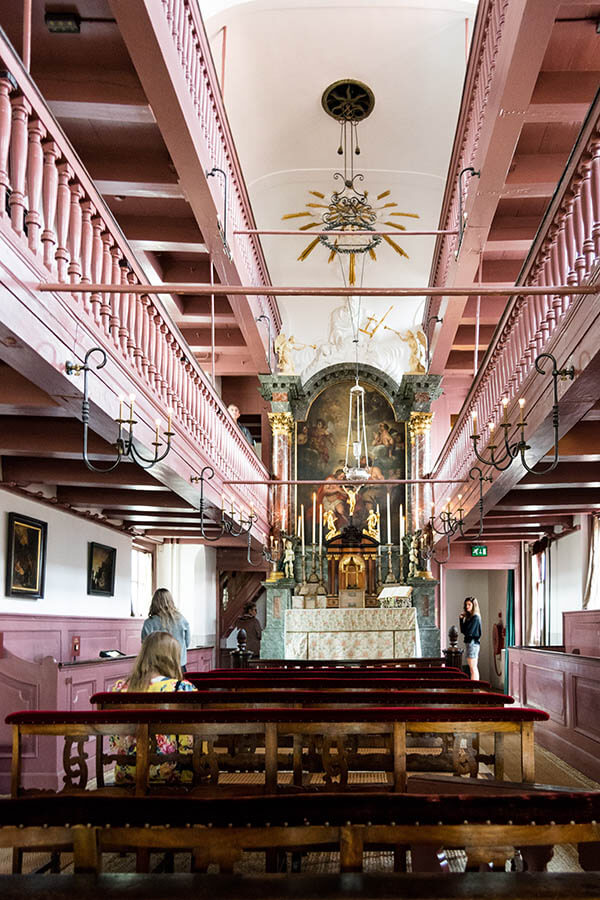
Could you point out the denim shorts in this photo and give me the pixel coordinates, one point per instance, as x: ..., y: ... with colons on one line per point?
x: 472, y: 650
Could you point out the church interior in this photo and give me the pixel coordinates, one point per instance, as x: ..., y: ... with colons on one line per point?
x: 300, y: 425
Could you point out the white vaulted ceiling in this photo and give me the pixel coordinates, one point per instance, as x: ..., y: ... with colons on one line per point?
x: 278, y: 59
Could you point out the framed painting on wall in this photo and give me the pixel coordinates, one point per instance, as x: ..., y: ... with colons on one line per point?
x: 102, y: 562
x: 26, y: 557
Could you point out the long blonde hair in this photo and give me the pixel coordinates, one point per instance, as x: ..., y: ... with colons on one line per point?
x: 163, y: 606
x: 475, y: 611
x: 160, y: 655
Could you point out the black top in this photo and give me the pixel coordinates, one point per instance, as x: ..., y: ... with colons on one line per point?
x: 471, y: 628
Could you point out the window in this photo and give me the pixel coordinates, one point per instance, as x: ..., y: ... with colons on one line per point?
x: 141, y: 581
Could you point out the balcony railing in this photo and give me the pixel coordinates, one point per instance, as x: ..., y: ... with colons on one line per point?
x: 51, y: 210
x: 566, y: 250
x: 191, y: 44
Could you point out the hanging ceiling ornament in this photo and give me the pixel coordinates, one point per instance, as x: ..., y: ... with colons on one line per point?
x: 348, y: 209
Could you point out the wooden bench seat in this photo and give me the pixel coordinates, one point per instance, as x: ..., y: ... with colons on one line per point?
x: 489, y: 828
x: 299, y: 698
x: 258, y: 740
x: 356, y: 886
x: 235, y: 682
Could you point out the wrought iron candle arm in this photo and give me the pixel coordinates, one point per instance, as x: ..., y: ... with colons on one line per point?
x: 207, y: 473
x: 124, y: 446
x: 453, y: 524
x: 520, y: 447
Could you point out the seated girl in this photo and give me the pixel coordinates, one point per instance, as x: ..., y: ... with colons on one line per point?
x: 157, y: 669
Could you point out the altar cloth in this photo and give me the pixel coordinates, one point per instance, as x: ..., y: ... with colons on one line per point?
x: 351, y: 633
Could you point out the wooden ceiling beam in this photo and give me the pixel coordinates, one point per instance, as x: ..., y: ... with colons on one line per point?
x: 39, y: 436
x: 119, y: 501
x: 30, y: 470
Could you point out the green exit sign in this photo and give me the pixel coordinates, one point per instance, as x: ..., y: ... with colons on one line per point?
x: 478, y: 550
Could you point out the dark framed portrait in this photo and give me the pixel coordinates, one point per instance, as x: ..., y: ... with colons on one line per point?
x: 102, y: 562
x: 26, y: 557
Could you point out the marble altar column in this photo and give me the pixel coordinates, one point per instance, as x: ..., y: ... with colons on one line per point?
x: 419, y: 427
x: 282, y: 426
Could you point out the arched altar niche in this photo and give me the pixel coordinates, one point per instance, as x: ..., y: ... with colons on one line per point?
x: 321, y: 450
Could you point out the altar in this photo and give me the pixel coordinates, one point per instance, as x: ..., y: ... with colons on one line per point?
x: 351, y: 633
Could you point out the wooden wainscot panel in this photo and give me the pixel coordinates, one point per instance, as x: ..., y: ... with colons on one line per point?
x: 586, y: 707
x: 514, y: 678
x: 581, y: 630
x: 546, y: 689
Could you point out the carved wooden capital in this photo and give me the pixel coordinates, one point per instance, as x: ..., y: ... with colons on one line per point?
x: 281, y: 422
x: 419, y: 423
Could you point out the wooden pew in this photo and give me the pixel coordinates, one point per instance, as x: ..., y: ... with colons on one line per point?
x: 353, y: 674
x: 316, y: 699
x: 421, y: 662
x: 220, y: 831
x: 330, y: 682
x: 326, y: 741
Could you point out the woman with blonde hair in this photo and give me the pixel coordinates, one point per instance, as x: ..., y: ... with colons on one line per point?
x: 163, y: 615
x: 470, y: 625
x: 156, y: 669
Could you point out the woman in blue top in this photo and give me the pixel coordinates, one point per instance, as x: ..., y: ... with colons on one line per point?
x: 470, y: 625
x: 163, y: 615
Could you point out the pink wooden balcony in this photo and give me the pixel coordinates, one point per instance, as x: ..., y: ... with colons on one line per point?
x: 566, y: 250
x: 55, y: 226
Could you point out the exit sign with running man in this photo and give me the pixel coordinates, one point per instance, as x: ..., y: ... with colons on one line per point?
x: 478, y: 549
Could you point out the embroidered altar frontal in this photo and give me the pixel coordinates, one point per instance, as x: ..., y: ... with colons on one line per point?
x: 350, y: 633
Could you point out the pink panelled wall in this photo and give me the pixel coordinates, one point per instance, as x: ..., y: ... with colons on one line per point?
x: 31, y: 677
x: 53, y: 217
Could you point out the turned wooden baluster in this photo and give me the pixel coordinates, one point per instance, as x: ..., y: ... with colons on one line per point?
x: 35, y: 166
x: 145, y: 332
x: 186, y: 392
x: 87, y: 235
x: 570, y: 247
x: 164, y: 360
x: 595, y: 195
x: 133, y: 347
x: 106, y: 276
x: 7, y: 85
x: 49, y: 200
x: 63, y: 202
x: 123, y: 334
x: 116, y: 316
x: 18, y: 161
x: 151, y: 351
x: 74, y: 236
x: 169, y: 362
x: 562, y: 261
x: 578, y: 229
x: 555, y: 272
x: 96, y: 266
x: 587, y: 217
x: 158, y: 378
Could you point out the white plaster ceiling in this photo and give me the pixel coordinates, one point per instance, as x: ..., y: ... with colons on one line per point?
x: 279, y: 57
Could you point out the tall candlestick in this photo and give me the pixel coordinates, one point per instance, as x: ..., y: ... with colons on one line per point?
x: 302, y: 527
x: 314, y: 518
x: 298, y: 528
x: 389, y: 520
x: 320, y: 528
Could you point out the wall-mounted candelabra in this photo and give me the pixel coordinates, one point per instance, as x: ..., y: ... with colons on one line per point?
x: 502, y: 454
x: 227, y: 523
x: 124, y: 445
x: 450, y: 523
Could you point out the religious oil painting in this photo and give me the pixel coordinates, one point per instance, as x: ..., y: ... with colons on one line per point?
x: 26, y: 557
x: 101, y: 569
x: 321, y: 449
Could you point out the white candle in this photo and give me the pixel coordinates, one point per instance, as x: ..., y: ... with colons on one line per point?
x: 320, y: 528
x: 521, y: 410
x: 389, y: 520
x: 157, y: 423
x: 298, y: 528
x: 474, y: 417
x: 314, y: 519
x: 302, y: 527
x: 283, y: 520
x: 401, y: 524
x: 169, y: 416
x: 121, y: 398
x: 131, y: 402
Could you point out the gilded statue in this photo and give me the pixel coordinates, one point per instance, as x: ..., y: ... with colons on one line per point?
x: 417, y: 345
x: 283, y: 348
x: 352, y: 494
x: 372, y: 528
x: 329, y: 520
